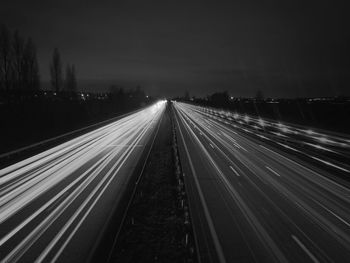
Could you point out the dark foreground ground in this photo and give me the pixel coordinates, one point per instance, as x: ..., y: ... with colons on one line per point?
x: 154, y: 229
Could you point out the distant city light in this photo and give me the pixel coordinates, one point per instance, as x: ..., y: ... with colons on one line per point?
x: 323, y: 140
x: 309, y: 132
x: 262, y: 122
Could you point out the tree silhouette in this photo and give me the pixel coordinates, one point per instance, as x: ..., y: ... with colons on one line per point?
x: 259, y: 95
x: 139, y: 95
x: 119, y: 97
x: 18, y: 57
x: 56, y: 71
x: 70, y: 81
x: 5, y: 58
x: 30, y: 69
x: 73, y: 79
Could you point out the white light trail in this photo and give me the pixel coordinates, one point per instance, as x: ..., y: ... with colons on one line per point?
x: 78, y: 170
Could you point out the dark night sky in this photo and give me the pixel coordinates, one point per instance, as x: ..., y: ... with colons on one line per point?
x: 284, y: 48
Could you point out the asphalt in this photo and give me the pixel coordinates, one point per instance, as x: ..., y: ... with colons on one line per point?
x: 261, y: 194
x: 53, y: 205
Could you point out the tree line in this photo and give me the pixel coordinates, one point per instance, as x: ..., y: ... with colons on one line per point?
x: 69, y: 84
x: 18, y: 62
x: 19, y: 69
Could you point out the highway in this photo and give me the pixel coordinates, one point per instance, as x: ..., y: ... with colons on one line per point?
x: 54, y: 205
x: 261, y: 191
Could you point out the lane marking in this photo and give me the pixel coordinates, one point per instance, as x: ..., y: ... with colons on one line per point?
x: 253, y: 221
x: 314, y: 259
x: 330, y: 164
x: 309, y: 169
x: 125, y: 145
x: 273, y: 171
x: 218, y: 247
x: 263, y: 137
x: 334, y: 214
x: 288, y: 147
x: 341, y: 219
x: 211, y: 145
x: 234, y: 170
x: 244, y: 149
x: 313, y: 157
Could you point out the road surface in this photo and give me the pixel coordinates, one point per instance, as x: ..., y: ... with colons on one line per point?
x: 258, y: 194
x: 54, y: 205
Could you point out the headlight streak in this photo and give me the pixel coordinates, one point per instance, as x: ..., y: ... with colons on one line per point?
x: 261, y: 232
x: 284, y: 132
x: 321, y: 200
x: 109, y: 176
x: 296, y: 130
x: 68, y: 170
x: 43, y: 182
